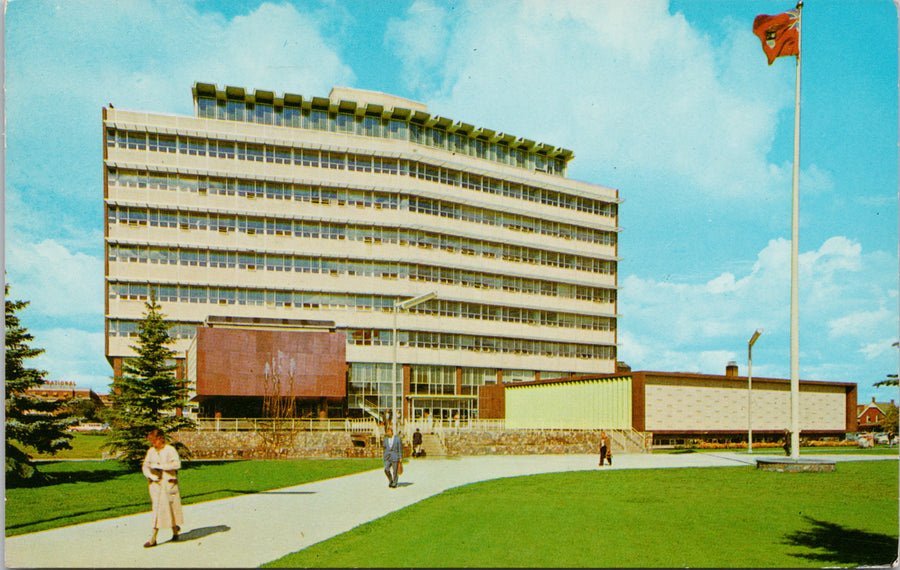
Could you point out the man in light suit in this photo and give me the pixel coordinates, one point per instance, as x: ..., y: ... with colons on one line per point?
x: 393, y: 455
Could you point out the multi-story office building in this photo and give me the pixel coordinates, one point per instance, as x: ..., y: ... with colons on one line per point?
x: 333, y: 209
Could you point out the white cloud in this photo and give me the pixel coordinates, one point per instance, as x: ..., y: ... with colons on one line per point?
x: 73, y: 355
x: 138, y: 55
x: 420, y: 39
x: 667, y: 100
x: 693, y: 324
x: 862, y: 323
x: 57, y: 281
x: 881, y: 347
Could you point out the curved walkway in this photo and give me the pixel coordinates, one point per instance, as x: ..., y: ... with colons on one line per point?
x: 250, y: 530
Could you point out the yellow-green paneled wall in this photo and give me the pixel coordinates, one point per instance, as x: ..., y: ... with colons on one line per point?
x: 585, y: 404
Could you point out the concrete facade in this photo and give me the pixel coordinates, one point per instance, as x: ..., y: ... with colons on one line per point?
x: 335, y: 208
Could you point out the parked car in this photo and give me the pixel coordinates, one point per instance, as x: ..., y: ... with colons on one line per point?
x: 89, y: 427
x: 882, y: 438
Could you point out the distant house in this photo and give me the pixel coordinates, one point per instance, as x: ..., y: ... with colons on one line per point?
x: 869, y: 416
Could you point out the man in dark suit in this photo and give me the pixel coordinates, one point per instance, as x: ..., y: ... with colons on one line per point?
x: 393, y: 455
x: 417, y: 443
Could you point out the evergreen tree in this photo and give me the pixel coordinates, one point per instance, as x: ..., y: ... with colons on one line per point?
x: 30, y: 421
x: 147, y: 393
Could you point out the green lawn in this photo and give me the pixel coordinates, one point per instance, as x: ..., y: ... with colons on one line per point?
x: 709, y: 517
x: 843, y: 450
x: 84, y: 491
x: 84, y: 446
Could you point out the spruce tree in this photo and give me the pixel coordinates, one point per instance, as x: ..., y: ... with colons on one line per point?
x: 147, y: 393
x: 30, y: 421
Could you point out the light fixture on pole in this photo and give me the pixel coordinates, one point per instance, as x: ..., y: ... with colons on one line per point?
x: 405, y: 305
x: 750, y: 389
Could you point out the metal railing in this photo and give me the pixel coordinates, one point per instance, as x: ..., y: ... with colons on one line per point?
x: 350, y: 425
x: 626, y: 439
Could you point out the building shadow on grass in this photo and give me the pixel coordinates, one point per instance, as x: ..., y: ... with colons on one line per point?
x: 91, y: 474
x: 198, y: 533
x: 126, y: 509
x: 838, y: 544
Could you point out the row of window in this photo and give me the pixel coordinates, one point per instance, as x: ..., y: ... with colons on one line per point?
x: 256, y: 261
x: 252, y: 225
x: 373, y: 381
x: 393, y: 129
x: 420, y: 339
x: 273, y: 154
x: 472, y: 343
x: 315, y: 300
x: 177, y: 329
x: 365, y: 198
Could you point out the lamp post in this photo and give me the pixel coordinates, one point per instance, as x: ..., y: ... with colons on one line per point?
x: 750, y: 389
x: 405, y: 305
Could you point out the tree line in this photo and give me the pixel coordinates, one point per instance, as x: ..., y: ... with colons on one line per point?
x: 144, y: 396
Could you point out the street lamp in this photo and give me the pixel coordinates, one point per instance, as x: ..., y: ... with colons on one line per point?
x: 750, y: 389
x: 404, y: 305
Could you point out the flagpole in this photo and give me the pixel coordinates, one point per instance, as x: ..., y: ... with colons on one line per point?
x: 795, y: 248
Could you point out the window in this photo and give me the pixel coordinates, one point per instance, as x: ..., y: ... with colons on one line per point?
x: 234, y: 110
x: 397, y: 129
x: 263, y: 114
x: 371, y: 126
x: 307, y: 158
x: 345, y: 123
x: 221, y: 149
x: 333, y: 160
x: 291, y: 116
x: 136, y: 141
x: 318, y: 120
x: 162, y: 143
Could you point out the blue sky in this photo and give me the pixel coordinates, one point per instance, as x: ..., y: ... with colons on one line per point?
x: 671, y: 103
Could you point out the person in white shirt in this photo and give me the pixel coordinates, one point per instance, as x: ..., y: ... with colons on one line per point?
x: 393, y: 455
x: 161, y: 467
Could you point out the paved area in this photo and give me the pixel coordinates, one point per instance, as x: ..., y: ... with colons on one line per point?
x: 250, y: 530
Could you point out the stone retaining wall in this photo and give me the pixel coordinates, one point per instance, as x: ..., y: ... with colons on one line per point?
x: 333, y: 445
x: 257, y: 445
x: 554, y: 442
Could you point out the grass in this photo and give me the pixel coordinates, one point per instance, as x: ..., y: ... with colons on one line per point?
x: 84, y: 491
x: 846, y: 450
x: 84, y: 446
x: 709, y: 517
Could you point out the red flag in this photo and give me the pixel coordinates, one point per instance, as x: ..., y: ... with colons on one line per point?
x: 780, y: 35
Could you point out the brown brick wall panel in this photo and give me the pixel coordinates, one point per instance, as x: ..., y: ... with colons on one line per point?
x: 232, y: 362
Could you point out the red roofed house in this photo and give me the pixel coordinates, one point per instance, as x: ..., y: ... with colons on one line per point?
x: 869, y: 416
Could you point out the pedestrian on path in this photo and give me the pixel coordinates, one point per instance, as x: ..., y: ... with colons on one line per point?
x: 160, y: 467
x: 417, y: 443
x: 393, y: 455
x: 604, y: 447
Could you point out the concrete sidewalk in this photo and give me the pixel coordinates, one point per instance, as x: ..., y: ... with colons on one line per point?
x: 247, y: 531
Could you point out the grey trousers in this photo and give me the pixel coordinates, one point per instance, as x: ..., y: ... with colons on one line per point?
x: 390, y: 469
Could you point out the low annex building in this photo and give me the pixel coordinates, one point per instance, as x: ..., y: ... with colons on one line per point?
x: 676, y: 406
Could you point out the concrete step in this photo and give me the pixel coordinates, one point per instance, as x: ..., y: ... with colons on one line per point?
x: 432, y: 446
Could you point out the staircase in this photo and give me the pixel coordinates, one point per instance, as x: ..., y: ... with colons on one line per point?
x: 630, y: 441
x: 432, y: 446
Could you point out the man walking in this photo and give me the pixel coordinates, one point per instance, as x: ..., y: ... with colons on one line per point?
x: 393, y: 455
x: 417, y: 443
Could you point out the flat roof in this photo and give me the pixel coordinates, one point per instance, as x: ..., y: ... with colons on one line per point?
x: 681, y: 375
x: 374, y: 103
